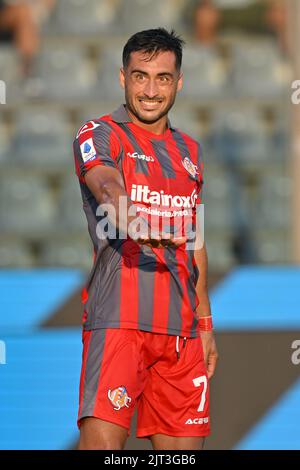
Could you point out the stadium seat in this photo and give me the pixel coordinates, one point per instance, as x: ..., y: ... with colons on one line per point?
x: 219, y: 251
x: 110, y: 61
x: 42, y: 137
x: 147, y: 14
x: 187, y: 120
x: 203, y: 71
x: 87, y: 16
x: 71, y: 251
x: 273, y: 248
x: 216, y: 198
x: 26, y: 203
x: 9, y: 65
x: 280, y: 136
x: 10, y: 73
x: 238, y: 136
x: 258, y: 70
x: 71, y: 215
x: 274, y: 200
x: 65, y: 73
x: 4, y: 141
x: 15, y: 253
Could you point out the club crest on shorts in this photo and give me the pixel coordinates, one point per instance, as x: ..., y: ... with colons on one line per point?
x: 190, y: 167
x: 119, y: 397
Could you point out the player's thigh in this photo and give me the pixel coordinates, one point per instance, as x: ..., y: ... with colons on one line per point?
x: 164, y: 442
x: 96, y: 434
x: 112, y: 378
x: 175, y: 401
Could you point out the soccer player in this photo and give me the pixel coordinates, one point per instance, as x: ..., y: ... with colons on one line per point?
x: 147, y: 327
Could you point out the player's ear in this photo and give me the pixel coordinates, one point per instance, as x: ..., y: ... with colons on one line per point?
x: 180, y: 81
x: 122, y: 77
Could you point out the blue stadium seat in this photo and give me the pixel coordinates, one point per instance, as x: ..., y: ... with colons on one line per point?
x: 258, y: 70
x: 203, y: 71
x: 26, y: 203
x: 87, y: 16
x: 42, y: 137
x: 39, y: 390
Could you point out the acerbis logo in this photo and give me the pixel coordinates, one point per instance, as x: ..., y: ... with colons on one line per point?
x: 197, y: 421
x: 147, y: 158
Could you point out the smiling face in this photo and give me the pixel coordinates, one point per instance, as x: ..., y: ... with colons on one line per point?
x: 150, y: 85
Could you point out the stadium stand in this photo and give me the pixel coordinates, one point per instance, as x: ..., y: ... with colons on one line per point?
x: 86, y: 16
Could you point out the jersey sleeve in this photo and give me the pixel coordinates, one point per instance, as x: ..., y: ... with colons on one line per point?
x: 95, y: 144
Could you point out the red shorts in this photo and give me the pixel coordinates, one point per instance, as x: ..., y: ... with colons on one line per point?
x: 164, y: 376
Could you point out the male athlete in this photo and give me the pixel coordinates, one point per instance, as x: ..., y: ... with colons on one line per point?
x: 147, y: 328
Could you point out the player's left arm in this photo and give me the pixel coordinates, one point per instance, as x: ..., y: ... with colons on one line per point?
x: 203, y: 312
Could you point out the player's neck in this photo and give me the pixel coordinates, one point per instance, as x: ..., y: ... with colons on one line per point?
x: 158, y: 127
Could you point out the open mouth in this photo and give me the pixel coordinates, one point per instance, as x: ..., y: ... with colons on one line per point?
x: 150, y: 104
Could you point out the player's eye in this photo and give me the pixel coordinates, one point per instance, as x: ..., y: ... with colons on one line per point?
x: 139, y: 77
x: 165, y: 79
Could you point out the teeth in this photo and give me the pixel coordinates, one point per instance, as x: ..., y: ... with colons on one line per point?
x: 150, y: 102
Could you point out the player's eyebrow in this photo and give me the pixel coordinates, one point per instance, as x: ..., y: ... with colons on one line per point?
x: 159, y: 74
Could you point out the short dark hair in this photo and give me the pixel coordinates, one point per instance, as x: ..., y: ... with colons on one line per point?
x: 152, y: 41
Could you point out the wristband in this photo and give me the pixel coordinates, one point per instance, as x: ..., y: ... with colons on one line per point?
x: 205, y: 323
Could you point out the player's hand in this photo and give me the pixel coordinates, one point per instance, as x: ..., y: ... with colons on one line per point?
x: 161, y: 241
x: 210, y: 351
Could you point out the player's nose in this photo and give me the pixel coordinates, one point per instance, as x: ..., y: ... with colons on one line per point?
x: 151, y: 89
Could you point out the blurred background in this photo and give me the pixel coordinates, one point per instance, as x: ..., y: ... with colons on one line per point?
x: 59, y: 61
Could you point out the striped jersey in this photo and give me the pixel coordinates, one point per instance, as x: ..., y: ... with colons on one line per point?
x: 132, y: 285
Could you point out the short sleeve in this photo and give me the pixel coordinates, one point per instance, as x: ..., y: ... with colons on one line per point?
x: 96, y: 143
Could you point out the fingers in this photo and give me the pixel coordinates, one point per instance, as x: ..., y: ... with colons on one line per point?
x: 162, y: 240
x: 211, y: 365
x: 169, y: 240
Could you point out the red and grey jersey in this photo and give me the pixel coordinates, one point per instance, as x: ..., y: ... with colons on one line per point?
x: 132, y: 285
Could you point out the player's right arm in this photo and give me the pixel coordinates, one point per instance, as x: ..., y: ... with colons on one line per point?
x: 97, y: 151
x: 107, y: 186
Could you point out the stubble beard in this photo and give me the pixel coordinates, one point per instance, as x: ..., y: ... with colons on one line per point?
x: 143, y: 118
